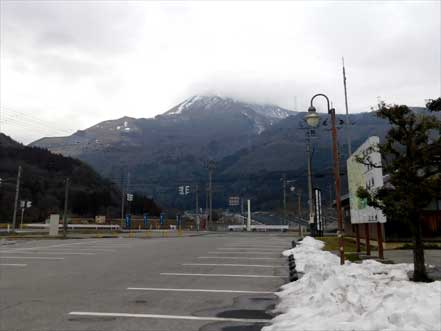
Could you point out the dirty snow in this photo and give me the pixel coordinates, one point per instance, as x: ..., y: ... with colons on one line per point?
x: 366, y: 296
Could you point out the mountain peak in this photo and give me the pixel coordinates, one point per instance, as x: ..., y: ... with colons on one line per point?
x: 196, y: 101
x: 217, y: 103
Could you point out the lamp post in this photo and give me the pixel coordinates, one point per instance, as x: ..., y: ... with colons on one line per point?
x: 310, y: 203
x: 313, y: 119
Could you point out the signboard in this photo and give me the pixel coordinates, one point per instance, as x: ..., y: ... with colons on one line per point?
x: 369, y: 177
x: 129, y: 197
x: 25, y: 204
x: 128, y: 221
x: 161, y: 219
x: 234, y: 201
x: 184, y: 190
x: 100, y: 219
x: 54, y: 221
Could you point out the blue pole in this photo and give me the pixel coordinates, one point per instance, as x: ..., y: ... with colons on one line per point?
x: 146, y: 220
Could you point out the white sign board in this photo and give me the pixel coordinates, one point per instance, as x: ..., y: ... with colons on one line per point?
x: 369, y: 177
x: 234, y: 201
x: 184, y: 190
x: 54, y: 221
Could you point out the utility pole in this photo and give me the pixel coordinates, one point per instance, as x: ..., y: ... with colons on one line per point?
x: 17, y: 193
x: 197, y: 207
x: 22, y: 213
x: 66, y: 197
x: 347, y: 126
x: 283, y: 179
x: 128, y: 191
x: 197, y: 199
x: 249, y: 215
x: 211, y: 166
x: 122, y: 196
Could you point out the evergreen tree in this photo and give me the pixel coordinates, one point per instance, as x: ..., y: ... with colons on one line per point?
x: 411, y: 158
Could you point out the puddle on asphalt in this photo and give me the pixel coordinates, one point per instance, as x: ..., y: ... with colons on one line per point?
x: 246, y: 307
x: 252, y: 327
x: 245, y: 313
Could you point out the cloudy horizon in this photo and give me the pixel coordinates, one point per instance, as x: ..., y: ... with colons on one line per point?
x: 67, y: 65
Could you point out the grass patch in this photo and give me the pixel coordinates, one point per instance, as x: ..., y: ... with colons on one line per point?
x: 331, y: 244
x: 353, y: 257
x: 426, y: 246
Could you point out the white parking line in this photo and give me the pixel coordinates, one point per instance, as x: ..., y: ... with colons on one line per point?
x: 80, y: 249
x: 239, y: 258
x: 243, y: 249
x: 44, y: 247
x: 243, y: 252
x: 235, y: 265
x: 31, y: 257
x: 13, y: 264
x: 176, y: 317
x: 259, y: 246
x: 106, y: 247
x: 195, y: 290
x: 49, y: 253
x: 219, y: 275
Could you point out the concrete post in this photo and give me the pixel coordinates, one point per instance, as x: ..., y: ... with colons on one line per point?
x: 249, y: 216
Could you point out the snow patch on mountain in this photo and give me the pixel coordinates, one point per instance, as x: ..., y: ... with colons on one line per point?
x: 227, y: 104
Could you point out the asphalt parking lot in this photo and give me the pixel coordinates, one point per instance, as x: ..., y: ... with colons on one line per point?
x: 209, y: 282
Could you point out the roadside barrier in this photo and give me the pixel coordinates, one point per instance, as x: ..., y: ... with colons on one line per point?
x: 293, y: 275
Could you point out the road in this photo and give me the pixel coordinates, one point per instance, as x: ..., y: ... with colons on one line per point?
x: 209, y: 282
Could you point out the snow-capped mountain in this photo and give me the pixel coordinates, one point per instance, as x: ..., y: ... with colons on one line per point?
x: 261, y: 117
x: 206, y: 126
x: 214, y: 103
x: 173, y: 147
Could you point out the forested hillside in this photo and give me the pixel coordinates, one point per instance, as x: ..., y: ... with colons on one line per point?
x: 43, y: 182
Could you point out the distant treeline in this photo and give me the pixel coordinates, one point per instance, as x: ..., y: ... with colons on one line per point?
x: 43, y: 182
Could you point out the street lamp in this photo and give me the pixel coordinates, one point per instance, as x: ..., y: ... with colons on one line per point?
x: 313, y: 119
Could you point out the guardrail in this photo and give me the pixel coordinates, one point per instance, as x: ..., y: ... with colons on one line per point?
x: 255, y: 227
x: 74, y: 226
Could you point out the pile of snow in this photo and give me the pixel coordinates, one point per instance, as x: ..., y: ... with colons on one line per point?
x: 366, y: 296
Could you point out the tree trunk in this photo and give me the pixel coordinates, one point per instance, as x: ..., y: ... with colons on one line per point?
x: 419, y: 273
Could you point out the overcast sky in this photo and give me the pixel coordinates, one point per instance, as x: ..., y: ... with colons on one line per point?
x: 68, y: 65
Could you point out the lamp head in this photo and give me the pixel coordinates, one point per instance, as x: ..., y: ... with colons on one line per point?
x: 312, y: 118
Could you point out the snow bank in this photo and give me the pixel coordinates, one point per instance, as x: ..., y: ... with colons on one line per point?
x: 367, y: 296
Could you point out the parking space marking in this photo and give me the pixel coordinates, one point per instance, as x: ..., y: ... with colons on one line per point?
x: 106, y: 247
x: 32, y: 257
x: 50, y: 253
x: 253, y: 252
x: 44, y: 247
x: 234, y: 265
x: 91, y: 250
x: 195, y: 290
x: 218, y: 275
x: 13, y: 265
x: 239, y: 258
x: 178, y: 317
x: 246, y: 249
x: 259, y: 244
